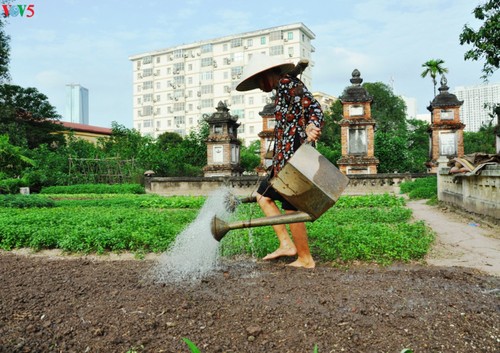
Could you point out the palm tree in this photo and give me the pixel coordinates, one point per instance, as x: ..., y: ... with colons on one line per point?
x: 434, y: 67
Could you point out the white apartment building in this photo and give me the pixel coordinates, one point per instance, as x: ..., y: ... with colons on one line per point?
x: 473, y: 112
x: 174, y: 88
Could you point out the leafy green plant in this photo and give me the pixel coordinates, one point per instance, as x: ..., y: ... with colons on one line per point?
x: 25, y: 201
x: 422, y: 188
x: 95, y: 189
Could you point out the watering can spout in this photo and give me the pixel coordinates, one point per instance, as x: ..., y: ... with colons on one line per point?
x: 220, y: 228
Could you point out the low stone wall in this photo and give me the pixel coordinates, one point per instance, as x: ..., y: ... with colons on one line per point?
x: 476, y: 194
x: 246, y: 185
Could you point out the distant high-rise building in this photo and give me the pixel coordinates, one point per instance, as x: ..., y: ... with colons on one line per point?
x: 77, y: 104
x: 473, y: 112
x: 411, y: 107
x: 174, y: 88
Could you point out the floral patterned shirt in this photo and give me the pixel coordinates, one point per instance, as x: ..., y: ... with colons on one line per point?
x: 295, y: 109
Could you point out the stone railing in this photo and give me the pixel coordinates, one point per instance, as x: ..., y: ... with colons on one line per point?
x: 476, y: 194
x: 245, y: 185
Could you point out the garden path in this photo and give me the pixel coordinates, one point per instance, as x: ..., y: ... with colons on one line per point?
x: 460, y: 241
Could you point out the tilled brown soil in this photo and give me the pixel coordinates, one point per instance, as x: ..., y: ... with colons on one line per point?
x: 83, y: 305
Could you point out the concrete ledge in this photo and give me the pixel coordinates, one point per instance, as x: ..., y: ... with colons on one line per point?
x: 245, y: 185
x: 478, y: 194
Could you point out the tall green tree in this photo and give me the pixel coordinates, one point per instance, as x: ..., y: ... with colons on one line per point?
x: 433, y: 68
x: 388, y: 110
x: 481, y: 141
x: 27, y: 117
x: 4, y: 53
x: 485, y: 40
x: 330, y: 144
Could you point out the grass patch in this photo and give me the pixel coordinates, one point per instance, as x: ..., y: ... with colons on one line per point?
x: 375, y: 228
x: 422, y: 188
x: 95, y: 189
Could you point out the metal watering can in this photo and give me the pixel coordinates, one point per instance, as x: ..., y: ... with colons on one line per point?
x: 308, y: 181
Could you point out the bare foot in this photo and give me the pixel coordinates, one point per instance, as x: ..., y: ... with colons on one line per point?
x: 281, y: 251
x: 303, y: 263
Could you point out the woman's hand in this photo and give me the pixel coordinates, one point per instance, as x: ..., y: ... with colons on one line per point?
x: 313, y: 133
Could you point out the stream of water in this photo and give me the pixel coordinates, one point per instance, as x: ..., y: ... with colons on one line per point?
x: 195, y: 253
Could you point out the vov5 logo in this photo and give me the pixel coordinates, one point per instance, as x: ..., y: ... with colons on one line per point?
x: 18, y: 10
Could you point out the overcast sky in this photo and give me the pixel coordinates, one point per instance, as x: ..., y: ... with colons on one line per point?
x: 89, y: 42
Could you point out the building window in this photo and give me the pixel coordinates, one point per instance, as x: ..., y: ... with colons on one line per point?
x: 147, y: 111
x: 157, y: 97
x: 148, y: 123
x: 139, y: 100
x: 250, y: 43
x: 207, y: 103
x: 178, y: 67
x: 179, y: 80
x: 148, y: 97
x: 179, y: 53
x: 147, y: 60
x: 157, y: 59
x: 158, y: 124
x: 237, y: 99
x: 237, y: 42
x: 206, y: 48
x: 276, y: 50
x: 289, y: 35
x: 239, y: 113
x: 179, y: 120
x: 147, y: 72
x: 178, y: 107
x: 158, y: 85
x: 206, y: 62
x: 236, y: 71
x: 147, y: 85
x: 262, y: 40
x: 207, y: 75
x: 225, y: 47
x: 207, y: 89
x: 276, y: 35
x: 190, y: 67
x: 251, y: 129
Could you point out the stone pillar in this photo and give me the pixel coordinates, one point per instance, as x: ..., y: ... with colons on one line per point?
x: 357, y: 130
x: 446, y: 130
x: 223, y: 146
x: 266, y: 138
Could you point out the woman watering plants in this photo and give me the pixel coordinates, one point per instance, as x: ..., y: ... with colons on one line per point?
x: 299, y: 119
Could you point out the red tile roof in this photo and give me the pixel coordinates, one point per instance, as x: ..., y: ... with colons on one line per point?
x: 86, y: 128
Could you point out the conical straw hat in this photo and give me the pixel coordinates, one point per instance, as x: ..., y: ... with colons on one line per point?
x: 257, y: 65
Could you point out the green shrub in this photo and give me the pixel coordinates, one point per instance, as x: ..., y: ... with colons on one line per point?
x: 408, y: 186
x: 25, y: 201
x: 423, y: 193
x: 423, y: 188
x: 95, y: 189
x: 12, y: 185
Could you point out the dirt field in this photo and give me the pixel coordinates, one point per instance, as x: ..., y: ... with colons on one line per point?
x: 74, y: 304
